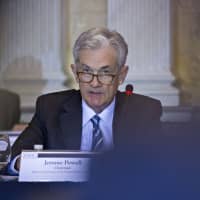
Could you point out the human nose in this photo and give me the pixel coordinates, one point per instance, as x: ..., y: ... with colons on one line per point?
x: 95, y: 82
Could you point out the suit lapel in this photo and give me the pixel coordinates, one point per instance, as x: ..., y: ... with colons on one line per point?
x: 71, y: 122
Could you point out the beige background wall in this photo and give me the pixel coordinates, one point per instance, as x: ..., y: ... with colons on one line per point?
x: 186, y: 41
x: 146, y: 26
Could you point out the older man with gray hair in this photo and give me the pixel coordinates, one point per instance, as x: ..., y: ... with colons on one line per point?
x: 97, y: 117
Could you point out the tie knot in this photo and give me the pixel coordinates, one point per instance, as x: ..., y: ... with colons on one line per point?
x: 95, y: 120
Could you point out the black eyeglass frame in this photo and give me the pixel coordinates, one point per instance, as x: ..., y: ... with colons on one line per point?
x: 97, y: 76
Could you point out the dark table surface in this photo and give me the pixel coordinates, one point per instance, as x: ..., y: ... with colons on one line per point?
x: 41, y: 191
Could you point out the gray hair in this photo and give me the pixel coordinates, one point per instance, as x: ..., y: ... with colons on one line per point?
x: 97, y: 38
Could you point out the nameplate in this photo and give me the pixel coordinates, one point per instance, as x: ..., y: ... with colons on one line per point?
x: 55, y: 166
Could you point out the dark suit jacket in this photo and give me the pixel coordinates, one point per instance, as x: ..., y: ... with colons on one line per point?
x: 57, y: 123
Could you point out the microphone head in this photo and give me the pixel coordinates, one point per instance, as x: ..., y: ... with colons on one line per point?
x: 129, y: 87
x: 129, y: 90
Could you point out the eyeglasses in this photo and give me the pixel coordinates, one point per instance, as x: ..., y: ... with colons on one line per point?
x: 88, y: 77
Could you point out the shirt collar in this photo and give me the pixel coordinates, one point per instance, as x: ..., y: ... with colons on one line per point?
x: 88, y: 113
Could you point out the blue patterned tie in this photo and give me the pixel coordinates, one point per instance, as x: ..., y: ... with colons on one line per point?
x: 97, y: 141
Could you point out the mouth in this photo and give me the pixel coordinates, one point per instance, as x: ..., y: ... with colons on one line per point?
x: 95, y: 93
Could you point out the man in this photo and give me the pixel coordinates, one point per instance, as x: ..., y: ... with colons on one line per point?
x: 68, y: 119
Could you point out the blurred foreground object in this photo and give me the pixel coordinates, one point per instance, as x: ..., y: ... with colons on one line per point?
x: 9, y: 109
x: 168, y: 169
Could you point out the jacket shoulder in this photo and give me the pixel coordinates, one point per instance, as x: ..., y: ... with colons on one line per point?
x: 57, y: 98
x: 145, y: 99
x: 138, y: 98
x: 59, y: 95
x: 140, y: 103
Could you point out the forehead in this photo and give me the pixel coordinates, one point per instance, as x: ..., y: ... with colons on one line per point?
x: 105, y: 56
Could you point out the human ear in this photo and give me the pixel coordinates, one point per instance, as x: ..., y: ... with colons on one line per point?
x: 123, y: 73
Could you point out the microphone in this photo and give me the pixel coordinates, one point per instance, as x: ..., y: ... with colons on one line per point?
x: 129, y: 90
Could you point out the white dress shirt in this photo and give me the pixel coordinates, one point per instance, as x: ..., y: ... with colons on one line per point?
x: 105, y: 124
